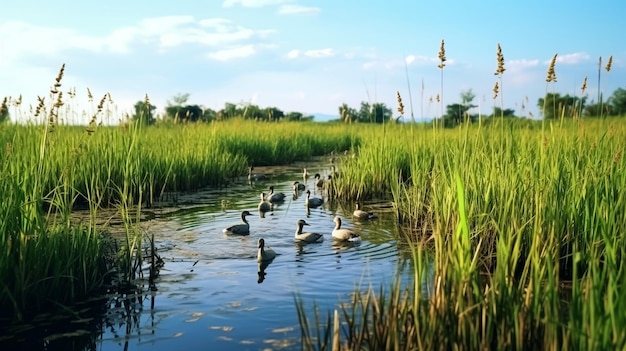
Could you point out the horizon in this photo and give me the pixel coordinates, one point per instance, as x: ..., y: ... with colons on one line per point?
x: 310, y: 56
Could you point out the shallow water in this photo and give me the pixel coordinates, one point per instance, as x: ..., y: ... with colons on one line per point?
x: 212, y: 293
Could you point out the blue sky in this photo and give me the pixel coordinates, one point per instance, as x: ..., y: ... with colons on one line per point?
x: 309, y: 56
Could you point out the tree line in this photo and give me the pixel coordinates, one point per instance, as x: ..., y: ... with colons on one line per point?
x: 178, y: 111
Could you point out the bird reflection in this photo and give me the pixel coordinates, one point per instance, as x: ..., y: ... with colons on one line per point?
x: 261, y: 271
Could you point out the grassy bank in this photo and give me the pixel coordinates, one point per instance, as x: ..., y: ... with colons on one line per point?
x: 49, y: 171
x: 525, y: 226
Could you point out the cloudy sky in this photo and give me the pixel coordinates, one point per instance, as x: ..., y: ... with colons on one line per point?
x: 310, y: 55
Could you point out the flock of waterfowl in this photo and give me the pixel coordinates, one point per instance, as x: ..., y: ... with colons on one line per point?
x: 265, y: 253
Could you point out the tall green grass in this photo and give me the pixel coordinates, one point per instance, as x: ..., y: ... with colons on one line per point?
x: 49, y: 171
x: 526, y: 231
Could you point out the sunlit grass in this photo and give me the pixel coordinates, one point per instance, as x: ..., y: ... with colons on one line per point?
x: 525, y: 229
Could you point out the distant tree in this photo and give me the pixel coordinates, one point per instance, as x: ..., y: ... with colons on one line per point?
x: 297, y: 116
x: 229, y: 111
x: 617, y: 101
x: 4, y: 111
x: 274, y: 114
x: 144, y: 112
x: 208, y: 115
x: 455, y: 115
x: 178, y: 110
x: 498, y: 112
x: 557, y: 106
x: 459, y: 113
x: 374, y: 113
x: 347, y: 113
x: 294, y: 116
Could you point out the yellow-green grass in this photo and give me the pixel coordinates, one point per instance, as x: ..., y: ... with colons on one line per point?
x: 523, y: 228
x: 47, y: 172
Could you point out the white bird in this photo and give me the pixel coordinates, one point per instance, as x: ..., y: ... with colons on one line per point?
x: 265, y: 253
x: 313, y: 202
x: 307, y: 237
x: 239, y: 229
x: 275, y: 197
x: 264, y: 206
x: 344, y: 234
x: 362, y: 215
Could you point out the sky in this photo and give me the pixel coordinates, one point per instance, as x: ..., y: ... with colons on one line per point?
x: 309, y: 56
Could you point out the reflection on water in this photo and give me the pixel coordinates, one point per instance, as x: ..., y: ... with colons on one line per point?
x: 213, y: 294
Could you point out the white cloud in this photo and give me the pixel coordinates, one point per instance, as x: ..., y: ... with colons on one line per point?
x: 321, y: 53
x: 521, y: 64
x: 369, y: 65
x: 572, y: 59
x: 252, y: 3
x: 233, y: 53
x: 293, y: 54
x: 26, y: 40
x: 298, y: 9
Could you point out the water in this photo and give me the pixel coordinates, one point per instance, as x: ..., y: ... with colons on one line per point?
x: 212, y: 293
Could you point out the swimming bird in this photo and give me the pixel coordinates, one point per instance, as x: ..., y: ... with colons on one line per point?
x: 239, y: 229
x: 265, y: 253
x: 362, y: 215
x: 313, y: 202
x: 252, y: 177
x: 343, y: 234
x: 264, y: 206
x: 275, y: 197
x: 305, y: 175
x: 307, y: 237
x: 298, y: 186
x: 319, y: 182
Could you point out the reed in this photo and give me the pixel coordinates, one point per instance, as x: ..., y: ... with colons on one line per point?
x: 526, y: 241
x: 49, y: 170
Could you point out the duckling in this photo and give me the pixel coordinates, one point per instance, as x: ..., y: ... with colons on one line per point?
x: 252, y: 177
x: 264, y: 206
x: 265, y: 253
x: 362, y: 215
x: 344, y: 234
x: 275, y: 197
x: 239, y: 229
x: 305, y: 175
x: 307, y: 237
x: 313, y: 202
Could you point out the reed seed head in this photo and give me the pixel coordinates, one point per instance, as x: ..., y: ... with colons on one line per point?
x: 101, y: 103
x: 400, y: 104
x: 584, y: 86
x: 500, y: 57
x: 551, y: 76
x: 59, y: 101
x: 609, y: 63
x: 442, y: 55
x: 40, y: 105
x: 438, y: 98
x: 496, y: 90
x: 18, y: 102
x: 89, y: 95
